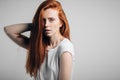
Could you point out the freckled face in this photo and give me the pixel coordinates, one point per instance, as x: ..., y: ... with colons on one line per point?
x: 52, y: 22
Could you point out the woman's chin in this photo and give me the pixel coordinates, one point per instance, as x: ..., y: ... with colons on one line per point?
x: 48, y: 35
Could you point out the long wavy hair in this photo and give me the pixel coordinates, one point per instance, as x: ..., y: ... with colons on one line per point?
x: 38, y: 41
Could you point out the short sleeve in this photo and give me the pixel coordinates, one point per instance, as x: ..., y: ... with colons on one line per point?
x: 67, y: 46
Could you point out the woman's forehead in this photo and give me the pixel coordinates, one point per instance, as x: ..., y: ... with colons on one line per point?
x: 50, y: 13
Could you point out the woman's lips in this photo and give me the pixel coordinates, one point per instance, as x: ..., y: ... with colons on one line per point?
x: 47, y: 31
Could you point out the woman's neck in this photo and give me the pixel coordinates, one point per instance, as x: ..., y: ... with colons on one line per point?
x: 55, y: 40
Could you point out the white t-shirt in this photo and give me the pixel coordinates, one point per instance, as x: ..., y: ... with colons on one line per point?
x: 51, y: 65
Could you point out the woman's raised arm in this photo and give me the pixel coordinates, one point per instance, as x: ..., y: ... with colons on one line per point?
x: 14, y: 33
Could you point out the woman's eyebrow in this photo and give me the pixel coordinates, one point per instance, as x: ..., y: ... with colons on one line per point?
x: 51, y: 18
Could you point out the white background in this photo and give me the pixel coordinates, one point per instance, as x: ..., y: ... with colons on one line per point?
x: 95, y: 33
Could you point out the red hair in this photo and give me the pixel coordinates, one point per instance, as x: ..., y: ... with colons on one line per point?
x: 38, y: 41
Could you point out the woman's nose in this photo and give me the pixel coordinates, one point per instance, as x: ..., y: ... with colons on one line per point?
x: 46, y: 23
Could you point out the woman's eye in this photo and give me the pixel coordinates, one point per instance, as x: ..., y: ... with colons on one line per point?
x: 51, y: 19
x: 44, y: 20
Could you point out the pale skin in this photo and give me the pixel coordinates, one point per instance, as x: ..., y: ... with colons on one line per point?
x: 52, y: 25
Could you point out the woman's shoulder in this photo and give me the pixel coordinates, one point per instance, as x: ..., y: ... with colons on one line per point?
x: 66, y: 42
x: 66, y: 45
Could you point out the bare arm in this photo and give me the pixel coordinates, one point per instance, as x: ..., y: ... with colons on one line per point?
x: 65, y: 66
x: 14, y: 33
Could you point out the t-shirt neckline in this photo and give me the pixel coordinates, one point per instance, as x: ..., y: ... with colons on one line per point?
x: 57, y: 45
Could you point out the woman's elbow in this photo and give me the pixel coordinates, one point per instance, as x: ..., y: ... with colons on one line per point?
x: 6, y: 30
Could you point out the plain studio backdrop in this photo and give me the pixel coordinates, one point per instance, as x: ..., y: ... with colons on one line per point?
x: 95, y: 33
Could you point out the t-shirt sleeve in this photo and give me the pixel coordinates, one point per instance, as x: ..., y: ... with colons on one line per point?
x: 67, y: 47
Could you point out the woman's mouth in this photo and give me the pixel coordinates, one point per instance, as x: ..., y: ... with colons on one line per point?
x: 47, y: 31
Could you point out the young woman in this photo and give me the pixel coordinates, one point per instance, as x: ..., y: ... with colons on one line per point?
x: 50, y: 51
